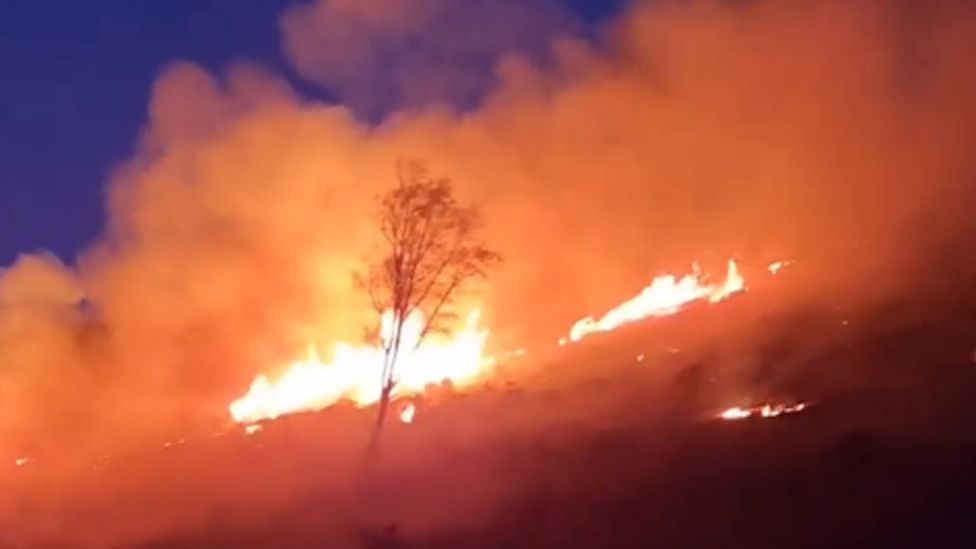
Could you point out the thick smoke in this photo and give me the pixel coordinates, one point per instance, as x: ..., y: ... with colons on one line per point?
x: 839, y: 133
x: 377, y: 55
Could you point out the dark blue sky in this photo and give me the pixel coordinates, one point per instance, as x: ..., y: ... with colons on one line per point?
x: 75, y: 81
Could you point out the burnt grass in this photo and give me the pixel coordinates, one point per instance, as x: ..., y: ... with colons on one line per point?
x: 885, y: 457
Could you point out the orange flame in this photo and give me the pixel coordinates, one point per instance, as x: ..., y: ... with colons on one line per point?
x: 735, y: 413
x: 408, y: 413
x: 665, y: 296
x: 765, y: 411
x: 777, y: 266
x: 354, y: 372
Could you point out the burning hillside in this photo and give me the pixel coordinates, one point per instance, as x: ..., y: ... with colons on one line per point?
x: 264, y: 221
x: 233, y: 230
x: 457, y: 359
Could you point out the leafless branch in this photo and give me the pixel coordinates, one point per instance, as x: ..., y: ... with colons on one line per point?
x: 431, y: 252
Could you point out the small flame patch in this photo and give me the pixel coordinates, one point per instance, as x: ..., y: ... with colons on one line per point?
x: 764, y: 411
x: 408, y: 413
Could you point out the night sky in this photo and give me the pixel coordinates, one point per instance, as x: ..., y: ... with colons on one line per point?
x: 76, y: 82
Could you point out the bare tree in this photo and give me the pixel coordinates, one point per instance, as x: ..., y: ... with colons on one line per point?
x: 431, y: 251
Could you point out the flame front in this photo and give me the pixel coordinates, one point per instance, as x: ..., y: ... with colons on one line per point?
x: 665, y: 296
x: 354, y: 372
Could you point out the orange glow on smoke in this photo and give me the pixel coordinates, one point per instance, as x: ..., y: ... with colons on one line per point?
x: 665, y: 296
x: 353, y: 374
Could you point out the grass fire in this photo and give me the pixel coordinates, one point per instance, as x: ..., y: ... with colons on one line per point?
x: 535, y: 273
x: 311, y: 384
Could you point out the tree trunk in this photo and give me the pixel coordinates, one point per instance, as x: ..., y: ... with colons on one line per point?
x: 391, y: 353
x: 384, y: 407
x: 374, y: 440
x: 386, y: 391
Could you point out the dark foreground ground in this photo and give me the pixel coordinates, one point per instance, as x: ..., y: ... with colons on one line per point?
x: 597, y: 449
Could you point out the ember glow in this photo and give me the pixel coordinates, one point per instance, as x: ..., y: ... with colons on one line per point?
x: 764, y: 411
x: 353, y: 374
x: 666, y: 295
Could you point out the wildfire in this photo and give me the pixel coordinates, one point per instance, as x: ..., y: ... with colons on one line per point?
x: 353, y: 374
x: 665, y: 296
x: 765, y: 411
